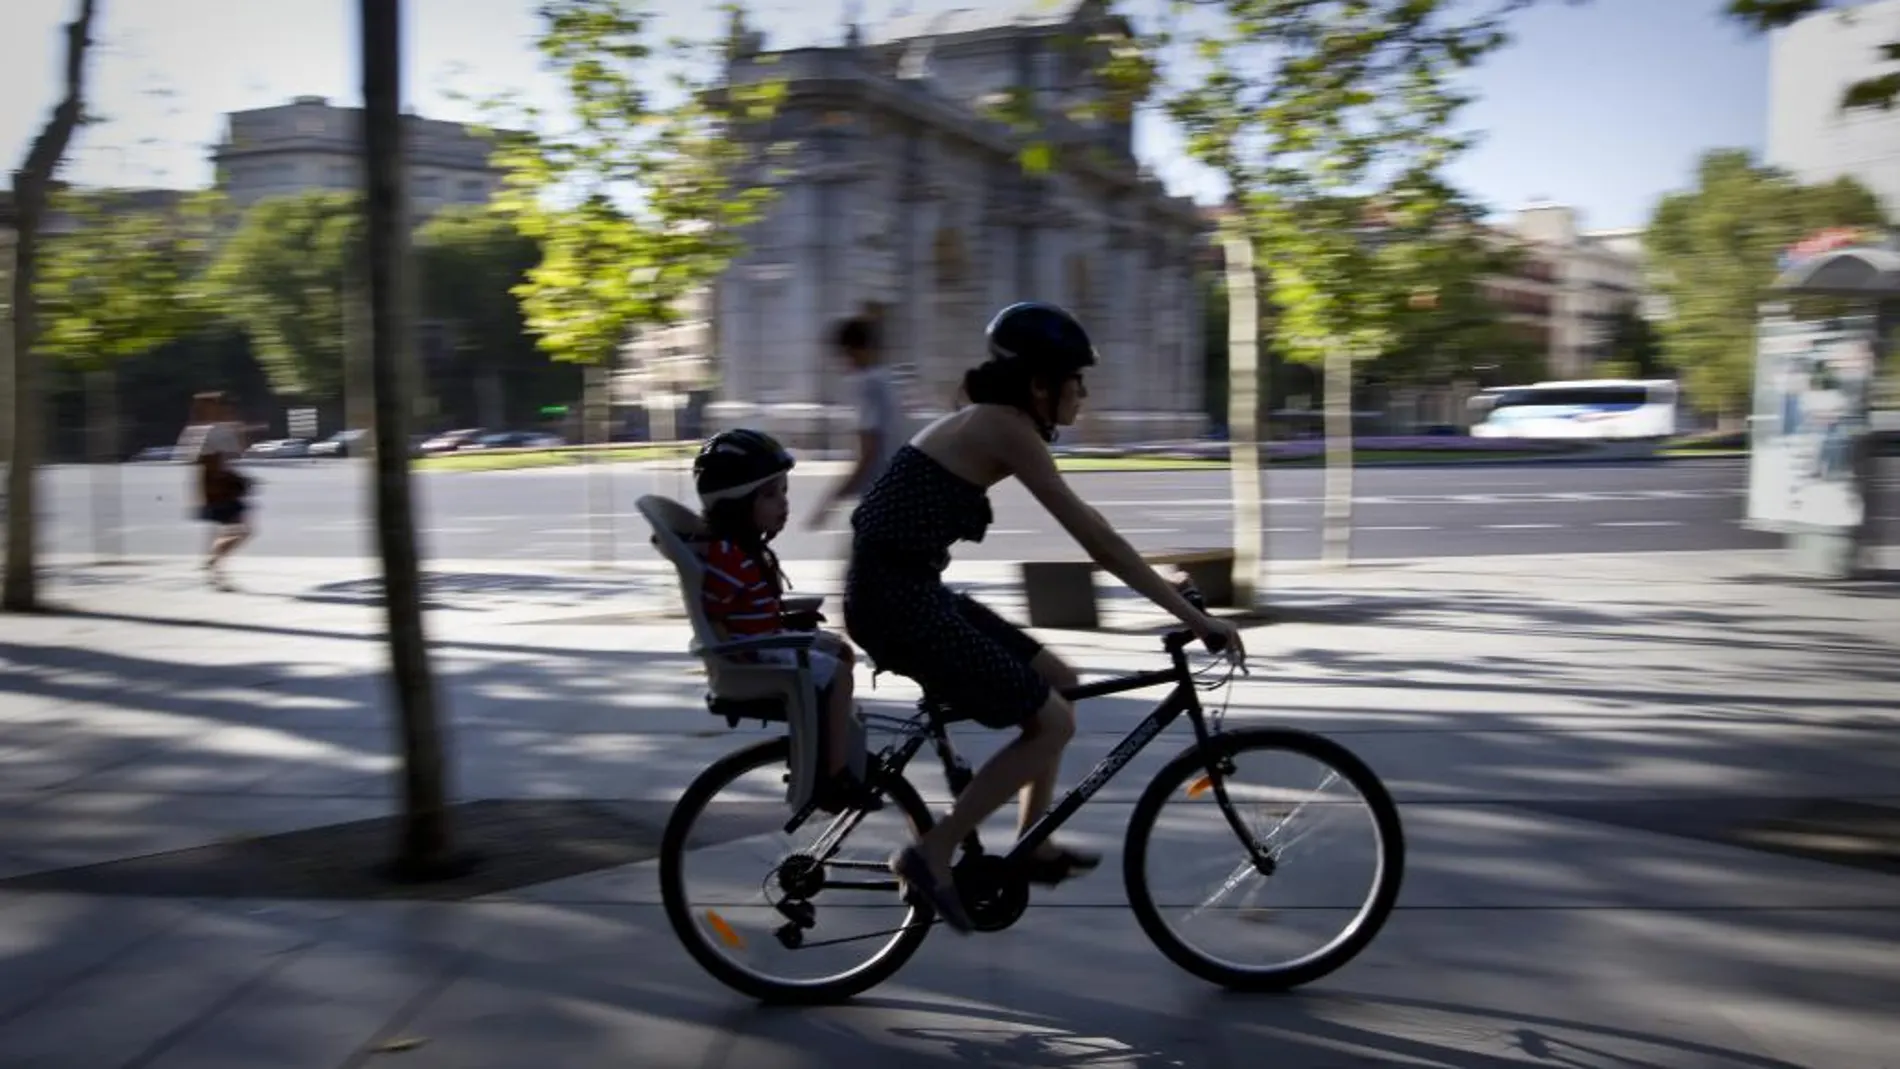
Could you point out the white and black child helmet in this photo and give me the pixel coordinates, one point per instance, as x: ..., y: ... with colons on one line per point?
x: 732, y: 464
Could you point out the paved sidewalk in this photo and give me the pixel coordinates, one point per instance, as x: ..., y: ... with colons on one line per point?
x: 1641, y: 797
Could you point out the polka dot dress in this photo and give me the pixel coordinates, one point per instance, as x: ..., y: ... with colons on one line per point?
x: 898, y: 611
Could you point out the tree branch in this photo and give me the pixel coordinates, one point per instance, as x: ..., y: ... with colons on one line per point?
x: 50, y: 146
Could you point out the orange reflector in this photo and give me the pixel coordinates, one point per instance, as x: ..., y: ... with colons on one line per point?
x: 724, y: 931
x: 1199, y: 787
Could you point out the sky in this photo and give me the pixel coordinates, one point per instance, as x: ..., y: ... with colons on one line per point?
x: 1604, y: 106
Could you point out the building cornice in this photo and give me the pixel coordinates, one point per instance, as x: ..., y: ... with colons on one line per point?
x: 820, y: 77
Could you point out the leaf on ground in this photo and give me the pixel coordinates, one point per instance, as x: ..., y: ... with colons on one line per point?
x: 399, y: 1044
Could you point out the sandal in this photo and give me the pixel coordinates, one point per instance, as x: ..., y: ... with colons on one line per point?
x: 910, y: 867
x: 1051, y: 869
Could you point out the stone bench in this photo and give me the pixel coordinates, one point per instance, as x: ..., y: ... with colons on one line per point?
x: 1061, y: 593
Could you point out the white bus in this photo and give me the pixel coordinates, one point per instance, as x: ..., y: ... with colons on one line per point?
x: 1586, y: 408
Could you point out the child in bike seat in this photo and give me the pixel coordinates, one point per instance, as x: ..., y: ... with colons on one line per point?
x: 743, y: 493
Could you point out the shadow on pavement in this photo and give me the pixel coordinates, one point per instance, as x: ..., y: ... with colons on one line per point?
x: 486, y: 591
x: 515, y: 843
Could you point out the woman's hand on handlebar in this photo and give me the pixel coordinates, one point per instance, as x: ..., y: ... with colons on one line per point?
x: 1222, y: 637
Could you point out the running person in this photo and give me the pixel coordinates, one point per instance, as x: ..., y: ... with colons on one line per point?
x: 934, y: 492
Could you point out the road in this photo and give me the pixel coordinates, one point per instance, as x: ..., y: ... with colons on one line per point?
x: 317, y: 509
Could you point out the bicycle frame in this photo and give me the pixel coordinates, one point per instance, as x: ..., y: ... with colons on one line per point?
x: 1182, y: 699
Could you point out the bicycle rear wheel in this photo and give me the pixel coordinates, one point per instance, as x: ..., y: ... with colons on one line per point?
x: 1201, y: 897
x: 810, y: 916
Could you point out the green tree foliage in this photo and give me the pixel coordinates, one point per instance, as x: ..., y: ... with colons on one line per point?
x: 122, y: 279
x: 1714, y: 252
x: 1635, y: 348
x: 466, y: 256
x: 283, y: 277
x: 1101, y: 54
x: 469, y: 261
x: 1880, y: 91
x: 1454, y: 326
x: 1332, y: 121
x: 639, y: 202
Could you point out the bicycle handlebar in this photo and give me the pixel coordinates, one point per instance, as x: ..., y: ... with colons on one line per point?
x: 1177, y: 641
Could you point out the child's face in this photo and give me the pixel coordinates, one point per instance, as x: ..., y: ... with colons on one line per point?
x: 772, y: 506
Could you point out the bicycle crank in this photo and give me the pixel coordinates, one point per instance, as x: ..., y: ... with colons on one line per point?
x: 994, y: 892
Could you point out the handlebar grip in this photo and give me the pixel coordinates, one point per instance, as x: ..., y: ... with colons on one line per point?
x: 1178, y: 640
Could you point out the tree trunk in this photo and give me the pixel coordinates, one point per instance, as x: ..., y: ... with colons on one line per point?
x: 595, y: 416
x: 30, y: 186
x: 102, y: 434
x: 1336, y: 516
x: 1244, y: 403
x: 424, y: 847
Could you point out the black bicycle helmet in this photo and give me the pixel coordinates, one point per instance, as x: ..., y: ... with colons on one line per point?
x: 1046, y: 336
x: 732, y: 464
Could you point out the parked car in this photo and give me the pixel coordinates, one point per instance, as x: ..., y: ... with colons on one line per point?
x: 450, y: 441
x: 278, y: 449
x: 153, y: 454
x: 340, y: 444
x: 517, y: 440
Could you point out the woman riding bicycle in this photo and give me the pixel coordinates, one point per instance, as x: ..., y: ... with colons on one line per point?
x: 934, y: 492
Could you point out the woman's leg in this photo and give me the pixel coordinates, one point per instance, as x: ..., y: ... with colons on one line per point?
x: 1028, y: 756
x: 230, y: 537
x: 1041, y: 791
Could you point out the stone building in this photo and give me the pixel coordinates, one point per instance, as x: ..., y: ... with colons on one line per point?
x: 1597, y: 281
x: 905, y: 197
x: 310, y: 144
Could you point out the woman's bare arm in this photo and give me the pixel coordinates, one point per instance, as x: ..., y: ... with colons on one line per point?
x: 1027, y: 457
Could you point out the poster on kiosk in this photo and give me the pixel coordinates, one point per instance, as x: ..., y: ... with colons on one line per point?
x: 1813, y: 378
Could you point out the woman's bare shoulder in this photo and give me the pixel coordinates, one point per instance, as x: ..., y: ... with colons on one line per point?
x: 981, y: 443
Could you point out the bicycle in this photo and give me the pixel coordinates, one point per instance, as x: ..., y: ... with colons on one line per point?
x: 994, y: 889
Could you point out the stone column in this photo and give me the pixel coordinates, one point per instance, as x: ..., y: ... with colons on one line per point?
x: 1173, y: 355
x: 1144, y: 308
x: 1000, y: 239
x: 1054, y: 240
x: 733, y: 344
x: 1181, y: 391
x: 830, y: 218
x: 1193, y: 406
x: 913, y: 235
x: 1125, y: 308
x: 790, y: 335
x: 1027, y: 203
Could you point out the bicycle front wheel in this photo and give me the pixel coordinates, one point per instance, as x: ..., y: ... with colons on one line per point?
x: 1330, y: 858
x: 802, y: 916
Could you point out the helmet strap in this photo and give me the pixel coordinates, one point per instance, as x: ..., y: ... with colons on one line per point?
x: 1046, y: 422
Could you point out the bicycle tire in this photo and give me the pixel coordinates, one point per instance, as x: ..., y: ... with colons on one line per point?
x: 776, y: 752
x: 1193, y: 762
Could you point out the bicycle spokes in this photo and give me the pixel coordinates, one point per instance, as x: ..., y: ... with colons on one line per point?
x: 795, y: 903
x: 1305, y: 869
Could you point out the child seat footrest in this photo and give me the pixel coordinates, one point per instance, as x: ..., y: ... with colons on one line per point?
x: 736, y: 709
